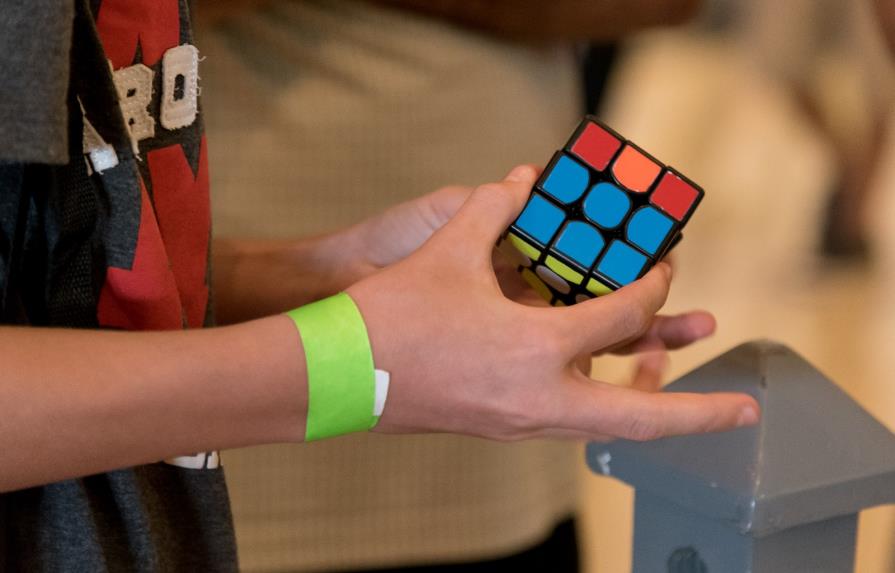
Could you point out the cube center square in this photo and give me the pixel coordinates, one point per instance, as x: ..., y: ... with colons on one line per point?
x: 600, y: 216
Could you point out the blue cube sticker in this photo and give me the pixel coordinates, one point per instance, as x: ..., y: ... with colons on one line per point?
x: 567, y: 180
x: 622, y: 263
x: 648, y: 229
x: 581, y: 243
x: 540, y: 219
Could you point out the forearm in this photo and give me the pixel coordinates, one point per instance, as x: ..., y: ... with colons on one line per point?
x: 214, y: 11
x: 560, y: 20
x: 75, y: 403
x: 886, y: 11
x: 461, y: 357
x: 256, y: 278
x: 531, y: 20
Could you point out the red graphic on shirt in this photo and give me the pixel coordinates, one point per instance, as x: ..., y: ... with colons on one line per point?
x: 144, y: 297
x: 122, y: 23
x: 165, y: 289
x: 184, y: 219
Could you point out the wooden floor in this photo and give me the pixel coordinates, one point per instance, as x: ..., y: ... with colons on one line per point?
x: 749, y: 252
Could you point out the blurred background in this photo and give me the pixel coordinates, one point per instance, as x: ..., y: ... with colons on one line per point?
x: 321, y: 113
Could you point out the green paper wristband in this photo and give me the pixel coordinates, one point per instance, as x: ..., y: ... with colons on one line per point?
x: 341, y: 376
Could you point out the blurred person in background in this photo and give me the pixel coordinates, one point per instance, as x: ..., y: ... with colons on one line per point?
x: 330, y: 111
x: 831, y: 56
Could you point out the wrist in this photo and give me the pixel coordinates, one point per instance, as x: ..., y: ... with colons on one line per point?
x: 345, y: 393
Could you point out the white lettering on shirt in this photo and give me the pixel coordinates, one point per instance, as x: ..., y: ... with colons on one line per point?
x: 134, y: 85
x: 180, y: 86
x: 177, y: 109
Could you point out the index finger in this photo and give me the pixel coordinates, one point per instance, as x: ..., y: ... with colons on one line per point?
x: 623, y: 315
x: 604, y: 409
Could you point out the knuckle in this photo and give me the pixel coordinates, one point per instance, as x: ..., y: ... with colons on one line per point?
x: 518, y: 420
x: 547, y: 343
x: 490, y: 192
x: 706, y: 426
x: 506, y: 194
x: 447, y: 200
x: 494, y: 197
x: 635, y: 320
x: 511, y: 414
x: 642, y: 428
x: 709, y: 422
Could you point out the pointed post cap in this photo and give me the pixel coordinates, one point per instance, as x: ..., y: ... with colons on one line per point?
x: 815, y: 454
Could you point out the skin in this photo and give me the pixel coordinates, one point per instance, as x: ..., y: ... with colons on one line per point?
x: 601, y: 20
x: 886, y: 11
x: 534, y: 388
x: 538, y: 21
x: 463, y: 357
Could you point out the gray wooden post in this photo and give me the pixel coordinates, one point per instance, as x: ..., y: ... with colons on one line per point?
x: 781, y: 497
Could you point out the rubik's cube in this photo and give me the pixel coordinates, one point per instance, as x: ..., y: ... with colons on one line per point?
x: 599, y: 217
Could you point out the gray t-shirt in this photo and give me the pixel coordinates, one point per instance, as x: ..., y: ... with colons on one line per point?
x: 98, y: 164
x: 35, y: 36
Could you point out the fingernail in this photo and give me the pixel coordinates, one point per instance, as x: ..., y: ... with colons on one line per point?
x: 520, y: 173
x: 748, y: 417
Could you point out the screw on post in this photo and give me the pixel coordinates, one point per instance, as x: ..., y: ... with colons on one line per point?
x: 686, y: 560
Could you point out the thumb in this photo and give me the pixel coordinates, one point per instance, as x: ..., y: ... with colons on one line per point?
x: 489, y: 210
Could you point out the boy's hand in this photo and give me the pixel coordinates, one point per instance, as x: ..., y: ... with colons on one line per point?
x: 396, y: 233
x: 466, y: 359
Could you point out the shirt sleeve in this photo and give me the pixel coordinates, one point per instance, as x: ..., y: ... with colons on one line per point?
x: 35, y: 38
